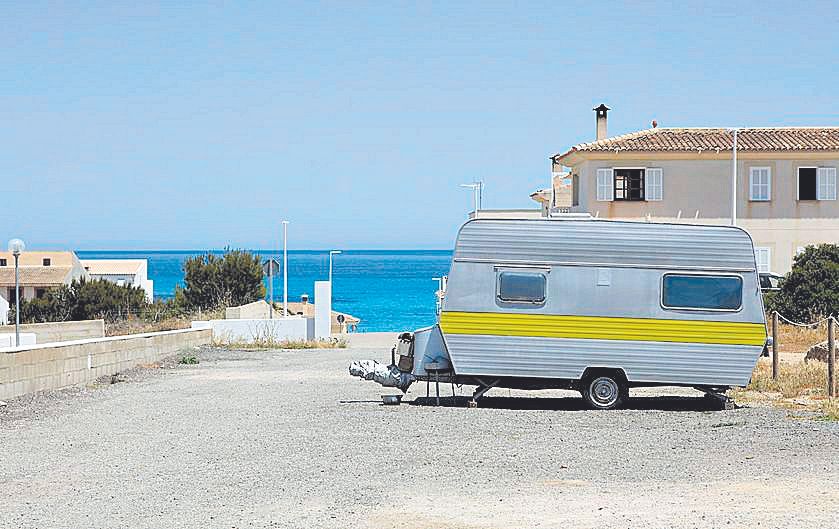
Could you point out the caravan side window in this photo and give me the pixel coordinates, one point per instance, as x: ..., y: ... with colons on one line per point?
x: 702, y: 292
x: 521, y: 287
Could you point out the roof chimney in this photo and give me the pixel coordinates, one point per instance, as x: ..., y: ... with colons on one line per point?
x: 600, y: 112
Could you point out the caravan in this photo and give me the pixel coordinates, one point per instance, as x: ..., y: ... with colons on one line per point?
x: 592, y: 305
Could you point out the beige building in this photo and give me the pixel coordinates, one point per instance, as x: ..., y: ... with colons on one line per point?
x: 786, y: 190
x: 123, y: 272
x: 558, y: 196
x: 38, y: 272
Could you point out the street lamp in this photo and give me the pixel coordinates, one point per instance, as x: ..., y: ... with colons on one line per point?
x: 331, y: 253
x: 477, y: 187
x: 16, y: 247
x: 285, y: 268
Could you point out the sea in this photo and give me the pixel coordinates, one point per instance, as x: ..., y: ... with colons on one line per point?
x: 389, y: 290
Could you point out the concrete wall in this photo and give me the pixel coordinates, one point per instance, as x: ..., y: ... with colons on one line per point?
x: 9, y: 339
x: 699, y: 190
x: 61, y: 331
x: 293, y: 328
x: 256, y: 310
x: 53, y: 366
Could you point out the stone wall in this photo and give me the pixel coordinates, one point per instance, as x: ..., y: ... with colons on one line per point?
x: 56, y: 365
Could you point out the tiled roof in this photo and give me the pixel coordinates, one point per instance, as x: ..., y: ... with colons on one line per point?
x: 30, y: 258
x: 767, y: 139
x: 35, y: 275
x: 112, y: 266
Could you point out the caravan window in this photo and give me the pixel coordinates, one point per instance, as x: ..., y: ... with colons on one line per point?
x: 702, y: 292
x: 522, y: 287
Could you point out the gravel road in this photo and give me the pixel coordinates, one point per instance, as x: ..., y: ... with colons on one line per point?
x: 288, y: 439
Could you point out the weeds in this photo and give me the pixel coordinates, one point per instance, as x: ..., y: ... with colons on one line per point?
x: 794, y: 380
x: 269, y: 343
x: 188, y: 360
x: 830, y: 409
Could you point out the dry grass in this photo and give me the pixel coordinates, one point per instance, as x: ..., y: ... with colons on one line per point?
x: 794, y: 380
x: 151, y: 323
x: 800, y: 385
x: 794, y: 339
x: 268, y: 343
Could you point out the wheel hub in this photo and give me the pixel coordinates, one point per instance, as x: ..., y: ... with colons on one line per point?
x: 604, y: 391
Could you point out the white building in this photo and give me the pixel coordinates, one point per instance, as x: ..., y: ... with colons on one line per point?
x: 123, y: 272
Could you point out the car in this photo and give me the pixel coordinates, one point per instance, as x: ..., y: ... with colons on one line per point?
x: 770, y: 281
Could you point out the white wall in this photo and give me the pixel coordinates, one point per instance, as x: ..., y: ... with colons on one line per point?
x: 4, y: 310
x: 8, y: 339
x: 249, y: 331
x: 323, y: 309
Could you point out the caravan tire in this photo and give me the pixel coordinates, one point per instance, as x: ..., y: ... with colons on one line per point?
x: 604, y: 391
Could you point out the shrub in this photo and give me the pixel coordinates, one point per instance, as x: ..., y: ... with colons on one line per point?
x: 84, y: 300
x: 811, y: 289
x: 232, y: 279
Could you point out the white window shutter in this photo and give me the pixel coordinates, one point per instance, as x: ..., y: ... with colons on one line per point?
x: 826, y: 183
x: 653, y: 184
x: 605, y: 184
x: 763, y: 258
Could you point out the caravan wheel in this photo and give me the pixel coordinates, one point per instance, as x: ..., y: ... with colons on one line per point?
x: 604, y: 392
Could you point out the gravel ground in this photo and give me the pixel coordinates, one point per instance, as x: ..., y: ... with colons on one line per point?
x: 288, y: 439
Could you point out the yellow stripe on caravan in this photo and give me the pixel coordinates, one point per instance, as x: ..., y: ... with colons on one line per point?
x: 603, y: 328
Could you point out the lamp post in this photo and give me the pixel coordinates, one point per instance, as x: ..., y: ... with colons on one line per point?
x: 285, y: 268
x: 16, y: 247
x: 331, y: 253
x: 478, y: 188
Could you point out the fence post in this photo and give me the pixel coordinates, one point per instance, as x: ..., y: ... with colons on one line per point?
x: 831, y: 357
x: 775, y: 360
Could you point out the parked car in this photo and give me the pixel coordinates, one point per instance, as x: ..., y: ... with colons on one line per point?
x: 770, y: 281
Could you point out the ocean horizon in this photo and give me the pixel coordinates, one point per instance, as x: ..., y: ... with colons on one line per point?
x: 389, y: 290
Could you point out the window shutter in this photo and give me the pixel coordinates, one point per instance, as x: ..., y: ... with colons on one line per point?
x: 763, y: 258
x: 605, y: 184
x: 826, y: 186
x: 653, y: 184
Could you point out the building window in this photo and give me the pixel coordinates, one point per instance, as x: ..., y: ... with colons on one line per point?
x: 701, y: 292
x: 760, y: 183
x: 3, y: 262
x: 808, y: 183
x: 575, y: 190
x: 826, y: 183
x: 605, y: 184
x: 763, y: 258
x: 522, y: 287
x: 629, y: 184
x: 40, y: 292
x: 47, y: 261
x: 654, y: 189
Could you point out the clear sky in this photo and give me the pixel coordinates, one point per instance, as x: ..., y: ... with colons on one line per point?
x: 178, y: 126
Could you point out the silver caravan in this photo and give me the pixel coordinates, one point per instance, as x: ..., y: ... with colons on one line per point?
x: 592, y: 305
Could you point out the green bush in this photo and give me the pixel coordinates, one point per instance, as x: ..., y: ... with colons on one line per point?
x: 811, y: 289
x: 84, y: 300
x: 233, y: 279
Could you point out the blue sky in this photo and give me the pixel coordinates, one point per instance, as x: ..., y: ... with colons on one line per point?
x: 167, y: 126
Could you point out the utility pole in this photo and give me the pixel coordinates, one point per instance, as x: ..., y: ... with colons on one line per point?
x: 285, y: 268
x: 734, y: 180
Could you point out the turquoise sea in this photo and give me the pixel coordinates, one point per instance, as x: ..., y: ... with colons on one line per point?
x: 390, y: 290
